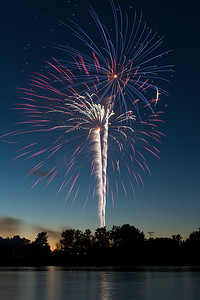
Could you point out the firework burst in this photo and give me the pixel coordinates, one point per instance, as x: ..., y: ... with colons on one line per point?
x: 58, y: 120
x: 119, y: 64
x: 84, y: 104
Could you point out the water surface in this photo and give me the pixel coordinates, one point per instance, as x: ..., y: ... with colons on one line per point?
x: 49, y: 283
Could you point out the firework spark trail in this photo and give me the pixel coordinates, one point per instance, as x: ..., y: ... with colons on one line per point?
x: 98, y: 172
x: 104, y: 165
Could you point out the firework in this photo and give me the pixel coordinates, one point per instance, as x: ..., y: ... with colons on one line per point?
x: 59, y: 121
x: 85, y: 102
x: 56, y: 121
x: 93, y: 119
x: 119, y: 64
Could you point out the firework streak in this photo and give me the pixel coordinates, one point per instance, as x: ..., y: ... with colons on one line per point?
x: 104, y: 165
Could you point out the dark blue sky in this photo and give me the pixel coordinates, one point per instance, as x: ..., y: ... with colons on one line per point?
x: 169, y: 202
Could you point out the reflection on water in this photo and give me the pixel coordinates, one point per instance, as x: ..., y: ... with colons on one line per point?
x: 105, y: 286
x: 57, y: 283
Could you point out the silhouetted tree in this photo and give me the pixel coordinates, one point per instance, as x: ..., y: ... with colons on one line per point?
x: 122, y: 245
x: 42, y: 239
x: 115, y: 236
x: 194, y: 238
x: 67, y: 241
x: 192, y: 248
x: 40, y: 248
x: 101, y: 237
x: 127, y: 244
x: 177, y: 239
x: 14, y: 250
x: 85, y: 241
x: 126, y: 236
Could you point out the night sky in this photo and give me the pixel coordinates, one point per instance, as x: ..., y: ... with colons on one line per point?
x: 169, y: 202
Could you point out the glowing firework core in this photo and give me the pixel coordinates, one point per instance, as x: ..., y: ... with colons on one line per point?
x: 115, y: 76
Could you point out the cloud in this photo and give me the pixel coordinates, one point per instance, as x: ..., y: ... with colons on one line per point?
x: 10, y: 225
x: 55, y: 234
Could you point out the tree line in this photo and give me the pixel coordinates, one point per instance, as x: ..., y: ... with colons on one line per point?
x: 120, y: 246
